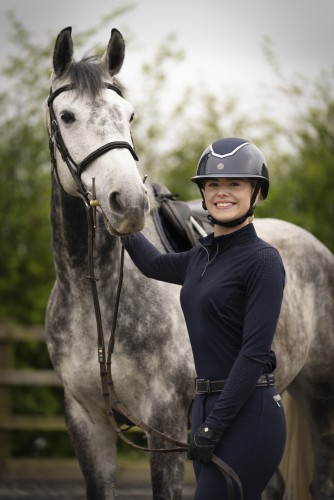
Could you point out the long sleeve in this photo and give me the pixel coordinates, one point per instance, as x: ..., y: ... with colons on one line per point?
x: 168, y: 267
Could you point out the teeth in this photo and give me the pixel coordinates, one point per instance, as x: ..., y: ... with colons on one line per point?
x: 224, y: 204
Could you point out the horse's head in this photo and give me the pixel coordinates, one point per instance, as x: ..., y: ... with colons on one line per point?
x: 90, y: 137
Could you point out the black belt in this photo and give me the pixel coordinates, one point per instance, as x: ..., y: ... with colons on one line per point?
x: 205, y: 386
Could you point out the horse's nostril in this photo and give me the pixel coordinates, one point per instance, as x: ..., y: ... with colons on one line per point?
x: 115, y: 201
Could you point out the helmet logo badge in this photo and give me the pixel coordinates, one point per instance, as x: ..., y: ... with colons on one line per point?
x: 220, y: 166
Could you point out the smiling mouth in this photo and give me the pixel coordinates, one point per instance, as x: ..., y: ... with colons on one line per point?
x: 225, y: 204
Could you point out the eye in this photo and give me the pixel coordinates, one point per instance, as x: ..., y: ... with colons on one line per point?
x: 211, y: 184
x: 132, y: 117
x: 235, y: 182
x: 67, y: 117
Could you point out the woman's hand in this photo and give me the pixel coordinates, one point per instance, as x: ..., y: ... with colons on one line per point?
x: 203, y: 444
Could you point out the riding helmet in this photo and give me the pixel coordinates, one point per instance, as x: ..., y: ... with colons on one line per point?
x: 233, y: 157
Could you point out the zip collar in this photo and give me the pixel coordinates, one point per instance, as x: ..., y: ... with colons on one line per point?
x: 240, y: 235
x: 213, y: 245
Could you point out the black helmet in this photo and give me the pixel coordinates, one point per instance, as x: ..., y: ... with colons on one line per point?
x: 233, y: 157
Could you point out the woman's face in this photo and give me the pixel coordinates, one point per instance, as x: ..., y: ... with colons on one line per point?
x: 227, y: 199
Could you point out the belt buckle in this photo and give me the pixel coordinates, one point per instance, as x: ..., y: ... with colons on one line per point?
x: 207, y: 383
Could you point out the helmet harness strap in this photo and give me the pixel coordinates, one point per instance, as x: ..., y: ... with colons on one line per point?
x: 241, y: 220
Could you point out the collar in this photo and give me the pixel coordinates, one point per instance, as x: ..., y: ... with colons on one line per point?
x: 240, y: 235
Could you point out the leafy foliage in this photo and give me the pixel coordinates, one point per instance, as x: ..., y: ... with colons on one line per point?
x: 25, y: 257
x: 303, y: 191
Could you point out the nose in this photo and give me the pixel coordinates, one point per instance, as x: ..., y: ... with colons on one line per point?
x: 223, y: 191
x: 119, y: 203
x: 115, y: 202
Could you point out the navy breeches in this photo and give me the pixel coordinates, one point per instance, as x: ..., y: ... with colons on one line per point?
x: 253, y: 445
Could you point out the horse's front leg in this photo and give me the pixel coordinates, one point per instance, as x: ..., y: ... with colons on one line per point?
x: 167, y: 473
x: 95, y: 446
x: 167, y: 469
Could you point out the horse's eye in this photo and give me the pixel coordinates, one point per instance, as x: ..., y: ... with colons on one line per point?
x: 132, y: 117
x: 68, y: 117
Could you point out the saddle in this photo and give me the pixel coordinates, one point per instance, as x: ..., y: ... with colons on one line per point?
x: 179, y: 223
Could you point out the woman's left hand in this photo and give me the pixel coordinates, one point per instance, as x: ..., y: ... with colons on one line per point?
x: 203, y: 444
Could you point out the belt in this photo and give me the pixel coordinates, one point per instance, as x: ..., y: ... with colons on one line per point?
x: 206, y: 386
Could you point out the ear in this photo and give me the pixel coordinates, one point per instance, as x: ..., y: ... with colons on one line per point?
x: 63, y: 52
x: 114, y: 56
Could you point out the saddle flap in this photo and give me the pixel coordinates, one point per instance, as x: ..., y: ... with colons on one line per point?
x: 173, y: 220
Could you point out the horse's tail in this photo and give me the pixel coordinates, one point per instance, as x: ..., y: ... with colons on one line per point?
x: 297, y: 464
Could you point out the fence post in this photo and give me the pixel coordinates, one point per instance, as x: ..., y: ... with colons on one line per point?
x: 7, y: 361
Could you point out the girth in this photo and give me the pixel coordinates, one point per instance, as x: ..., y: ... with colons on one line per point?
x: 207, y: 386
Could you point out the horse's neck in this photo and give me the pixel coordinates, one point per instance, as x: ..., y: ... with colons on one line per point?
x: 70, y: 235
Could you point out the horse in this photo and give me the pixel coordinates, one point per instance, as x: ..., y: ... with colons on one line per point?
x: 94, y: 172
x: 152, y: 362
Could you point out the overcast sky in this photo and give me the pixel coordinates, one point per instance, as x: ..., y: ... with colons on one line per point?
x: 222, y: 39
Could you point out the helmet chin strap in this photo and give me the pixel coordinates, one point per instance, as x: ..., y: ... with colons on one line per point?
x: 241, y: 220
x: 232, y: 223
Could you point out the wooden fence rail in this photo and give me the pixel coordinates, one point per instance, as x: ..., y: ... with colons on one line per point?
x: 10, y: 378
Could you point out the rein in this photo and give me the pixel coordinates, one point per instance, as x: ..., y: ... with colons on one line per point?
x: 108, y: 389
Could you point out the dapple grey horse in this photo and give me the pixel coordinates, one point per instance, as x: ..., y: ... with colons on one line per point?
x: 94, y: 163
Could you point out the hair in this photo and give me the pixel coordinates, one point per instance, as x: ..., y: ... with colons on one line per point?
x: 259, y: 198
x: 88, y: 76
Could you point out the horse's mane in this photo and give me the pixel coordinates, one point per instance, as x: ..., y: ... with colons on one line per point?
x: 88, y: 75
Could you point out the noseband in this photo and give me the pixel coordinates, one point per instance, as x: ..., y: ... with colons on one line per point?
x: 55, y: 138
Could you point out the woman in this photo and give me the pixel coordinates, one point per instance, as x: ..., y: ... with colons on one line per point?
x: 232, y: 289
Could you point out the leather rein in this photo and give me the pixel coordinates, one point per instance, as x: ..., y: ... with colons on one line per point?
x: 110, y: 396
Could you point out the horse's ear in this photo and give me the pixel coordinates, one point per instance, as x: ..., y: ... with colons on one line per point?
x: 114, y: 56
x: 63, y: 52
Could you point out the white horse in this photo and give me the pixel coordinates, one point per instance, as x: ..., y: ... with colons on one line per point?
x: 94, y: 164
x: 152, y: 363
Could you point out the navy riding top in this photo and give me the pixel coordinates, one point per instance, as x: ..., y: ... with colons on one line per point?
x: 232, y: 290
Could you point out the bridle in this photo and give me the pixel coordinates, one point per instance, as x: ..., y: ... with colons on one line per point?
x: 110, y: 396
